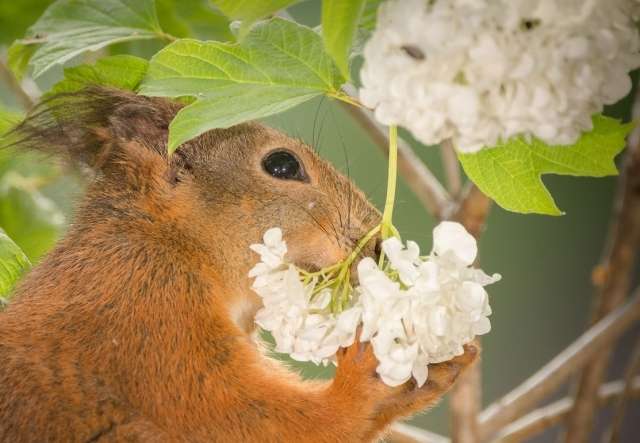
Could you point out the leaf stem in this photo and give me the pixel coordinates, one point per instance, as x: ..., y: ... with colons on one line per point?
x: 339, y: 95
x: 164, y: 36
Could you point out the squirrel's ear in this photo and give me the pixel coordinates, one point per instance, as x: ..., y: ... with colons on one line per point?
x: 96, y: 126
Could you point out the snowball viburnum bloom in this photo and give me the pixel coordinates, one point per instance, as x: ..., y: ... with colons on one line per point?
x: 441, y: 308
x: 299, y: 321
x: 415, y: 311
x: 481, y: 71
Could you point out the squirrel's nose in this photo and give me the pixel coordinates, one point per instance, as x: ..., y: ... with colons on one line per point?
x: 377, y: 250
x: 372, y: 249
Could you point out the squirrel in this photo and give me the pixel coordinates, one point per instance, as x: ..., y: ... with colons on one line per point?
x: 138, y: 325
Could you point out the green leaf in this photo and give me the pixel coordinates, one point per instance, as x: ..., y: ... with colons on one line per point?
x: 511, y: 172
x: 119, y: 71
x: 233, y: 105
x: 71, y: 27
x: 18, y: 58
x: 339, y: 24
x: 7, y: 120
x: 193, y: 18
x: 279, y: 65
x: 248, y: 11
x: 16, y: 16
x: 13, y: 262
x: 370, y: 15
x: 366, y: 26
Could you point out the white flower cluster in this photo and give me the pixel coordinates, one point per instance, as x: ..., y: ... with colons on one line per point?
x: 301, y: 324
x: 481, y: 71
x: 417, y: 311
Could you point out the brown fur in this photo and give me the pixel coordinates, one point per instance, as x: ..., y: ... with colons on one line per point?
x: 138, y: 326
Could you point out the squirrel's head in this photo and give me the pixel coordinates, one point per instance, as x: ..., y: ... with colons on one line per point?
x: 212, y: 198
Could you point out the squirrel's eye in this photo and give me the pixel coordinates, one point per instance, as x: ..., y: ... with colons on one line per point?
x: 283, y: 165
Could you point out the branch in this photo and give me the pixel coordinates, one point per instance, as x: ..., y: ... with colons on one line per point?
x: 466, y: 396
x: 451, y: 167
x: 413, y: 170
x: 465, y: 406
x: 557, y: 412
x: 590, y: 344
x: 14, y: 86
x: 404, y: 433
x: 473, y: 210
x: 615, y: 271
x: 623, y: 400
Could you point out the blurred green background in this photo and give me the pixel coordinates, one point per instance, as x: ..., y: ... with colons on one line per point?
x: 541, y: 305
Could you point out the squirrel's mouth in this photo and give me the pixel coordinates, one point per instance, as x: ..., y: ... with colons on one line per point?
x: 313, y: 267
x: 308, y: 266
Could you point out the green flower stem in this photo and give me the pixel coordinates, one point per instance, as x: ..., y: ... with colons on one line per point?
x: 388, y: 230
x: 360, y: 246
x: 338, y: 276
x: 322, y: 272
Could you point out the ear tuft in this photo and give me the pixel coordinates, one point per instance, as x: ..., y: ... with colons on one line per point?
x: 90, y: 126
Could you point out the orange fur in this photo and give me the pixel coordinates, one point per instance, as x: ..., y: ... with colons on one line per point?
x: 138, y: 325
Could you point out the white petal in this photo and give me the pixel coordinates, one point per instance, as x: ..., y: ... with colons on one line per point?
x: 349, y: 319
x: 420, y: 372
x: 321, y: 300
x: 482, y: 326
x: 471, y: 297
x: 258, y: 269
x: 427, y: 280
x: 453, y: 238
x: 438, y: 321
x: 273, y: 237
x: 394, y: 374
x: 392, y: 247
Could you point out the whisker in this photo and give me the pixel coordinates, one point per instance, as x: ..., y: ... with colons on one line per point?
x: 335, y: 237
x: 346, y: 229
x: 315, y: 122
x: 323, y: 119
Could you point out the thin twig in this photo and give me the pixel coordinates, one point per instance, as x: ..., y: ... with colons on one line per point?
x: 613, y: 434
x: 557, y: 412
x: 451, y: 167
x: 413, y: 170
x: 404, y: 433
x: 614, y: 279
x: 591, y: 343
x: 14, y: 86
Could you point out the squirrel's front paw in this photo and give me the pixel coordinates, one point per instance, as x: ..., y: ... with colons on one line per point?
x: 410, y: 399
x: 358, y: 383
x: 356, y: 374
x: 356, y: 364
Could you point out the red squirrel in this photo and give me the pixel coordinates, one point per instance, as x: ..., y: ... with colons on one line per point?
x: 138, y: 326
